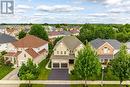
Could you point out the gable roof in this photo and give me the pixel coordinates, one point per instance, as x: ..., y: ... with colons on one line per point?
x: 4, y: 38
x: 99, y: 42
x: 70, y: 41
x: 31, y: 52
x: 29, y: 41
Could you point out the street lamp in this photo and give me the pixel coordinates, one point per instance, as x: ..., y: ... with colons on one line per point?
x: 102, y: 74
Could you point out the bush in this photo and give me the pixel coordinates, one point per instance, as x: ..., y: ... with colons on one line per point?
x: 8, y: 63
x: 3, y: 52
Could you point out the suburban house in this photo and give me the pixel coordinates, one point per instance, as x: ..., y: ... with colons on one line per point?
x: 5, y: 40
x: 12, y: 31
x: 27, y: 47
x: 106, y: 49
x: 128, y: 46
x: 65, y: 52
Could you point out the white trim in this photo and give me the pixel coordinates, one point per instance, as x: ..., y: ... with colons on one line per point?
x: 104, y: 44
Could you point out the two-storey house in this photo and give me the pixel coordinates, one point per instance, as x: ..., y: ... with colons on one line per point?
x: 28, y: 47
x: 65, y: 52
x: 106, y: 48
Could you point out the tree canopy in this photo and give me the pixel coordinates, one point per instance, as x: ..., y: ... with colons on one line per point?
x: 28, y: 71
x: 39, y: 31
x: 120, y: 64
x: 21, y: 34
x: 87, y: 63
x: 104, y: 31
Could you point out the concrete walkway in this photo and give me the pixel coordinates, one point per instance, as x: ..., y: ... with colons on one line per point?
x: 11, y: 76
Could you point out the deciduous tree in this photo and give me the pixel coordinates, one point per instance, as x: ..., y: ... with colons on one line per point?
x: 39, y: 31
x: 28, y: 71
x: 120, y: 65
x: 87, y: 64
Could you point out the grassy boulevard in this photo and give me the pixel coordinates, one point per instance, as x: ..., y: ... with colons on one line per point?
x: 4, y: 70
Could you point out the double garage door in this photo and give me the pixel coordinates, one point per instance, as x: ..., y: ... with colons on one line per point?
x: 60, y: 65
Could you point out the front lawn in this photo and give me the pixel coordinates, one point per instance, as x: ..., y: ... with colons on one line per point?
x: 4, y: 70
x: 44, y: 73
x: 107, y: 76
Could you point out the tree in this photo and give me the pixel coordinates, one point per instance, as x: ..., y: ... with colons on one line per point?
x: 1, y: 59
x: 39, y: 31
x: 122, y: 37
x: 87, y: 64
x: 21, y: 34
x: 56, y: 40
x: 120, y: 65
x: 28, y: 71
x: 86, y: 33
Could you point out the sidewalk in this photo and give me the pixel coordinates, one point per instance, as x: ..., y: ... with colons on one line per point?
x: 11, y: 76
x: 62, y: 82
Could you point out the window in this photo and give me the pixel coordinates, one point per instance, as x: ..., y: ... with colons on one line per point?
x: 106, y: 50
x: 24, y: 55
x: 57, y: 52
x: 102, y: 60
x: 61, y: 52
x: 64, y: 52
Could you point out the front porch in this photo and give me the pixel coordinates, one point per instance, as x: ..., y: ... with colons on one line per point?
x: 10, y: 58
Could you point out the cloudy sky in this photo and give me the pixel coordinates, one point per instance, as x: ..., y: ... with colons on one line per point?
x: 69, y: 11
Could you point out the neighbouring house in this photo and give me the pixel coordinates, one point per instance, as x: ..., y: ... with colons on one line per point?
x: 12, y: 31
x: 2, y: 30
x: 5, y: 41
x: 128, y: 46
x: 106, y: 48
x: 56, y: 34
x: 65, y: 52
x: 74, y: 32
x: 28, y: 47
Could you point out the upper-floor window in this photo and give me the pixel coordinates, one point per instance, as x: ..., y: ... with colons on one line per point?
x: 71, y: 52
x: 24, y: 55
x: 64, y: 52
x: 57, y: 52
x: 106, y: 50
x: 61, y: 52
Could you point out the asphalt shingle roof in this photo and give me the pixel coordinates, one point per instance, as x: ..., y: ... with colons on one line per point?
x: 30, y: 41
x: 98, y: 42
x: 70, y: 41
x: 4, y: 38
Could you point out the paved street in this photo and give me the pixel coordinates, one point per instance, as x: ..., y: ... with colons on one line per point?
x: 11, y: 76
x: 59, y: 74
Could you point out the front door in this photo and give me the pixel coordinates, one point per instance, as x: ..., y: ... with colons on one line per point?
x: 71, y: 61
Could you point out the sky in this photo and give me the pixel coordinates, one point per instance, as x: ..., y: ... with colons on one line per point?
x: 69, y: 11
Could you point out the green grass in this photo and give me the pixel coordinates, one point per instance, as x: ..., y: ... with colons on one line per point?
x: 4, y: 70
x: 83, y: 86
x: 44, y: 73
x: 107, y: 76
x: 98, y: 86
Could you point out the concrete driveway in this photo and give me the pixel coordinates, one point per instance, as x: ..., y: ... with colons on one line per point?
x: 11, y: 76
x: 59, y: 74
